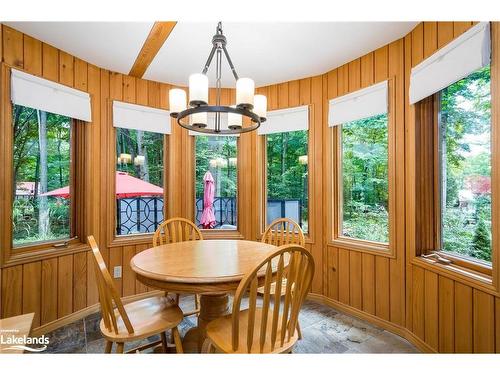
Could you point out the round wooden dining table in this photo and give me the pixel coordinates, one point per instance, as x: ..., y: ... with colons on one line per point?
x: 211, y: 268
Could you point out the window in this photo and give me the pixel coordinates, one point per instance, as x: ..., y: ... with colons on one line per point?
x: 139, y: 181
x: 217, y: 156
x: 287, y: 177
x: 465, y: 161
x: 42, y: 170
x: 364, y: 179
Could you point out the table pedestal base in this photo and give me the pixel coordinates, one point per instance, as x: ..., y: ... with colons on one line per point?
x: 212, y: 306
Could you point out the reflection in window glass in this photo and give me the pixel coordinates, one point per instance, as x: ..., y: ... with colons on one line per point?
x: 466, y: 166
x: 218, y: 156
x: 287, y: 177
x: 365, y: 211
x: 42, y: 169
x: 139, y: 181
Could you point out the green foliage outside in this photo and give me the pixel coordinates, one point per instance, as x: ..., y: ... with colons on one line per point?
x: 147, y: 144
x: 28, y: 166
x: 286, y: 176
x: 466, y: 166
x: 365, y: 179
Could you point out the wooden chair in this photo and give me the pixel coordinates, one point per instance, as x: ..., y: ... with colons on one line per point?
x: 174, y: 230
x: 266, y: 329
x: 283, y: 232
x: 136, y: 320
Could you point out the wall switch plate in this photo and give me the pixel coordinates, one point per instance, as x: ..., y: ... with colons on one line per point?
x: 117, y: 272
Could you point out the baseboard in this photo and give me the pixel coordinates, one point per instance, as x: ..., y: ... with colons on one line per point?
x: 80, y: 314
x: 375, y: 320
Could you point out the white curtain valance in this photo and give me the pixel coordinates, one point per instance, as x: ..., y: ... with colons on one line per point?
x: 459, y: 58
x: 211, y: 125
x: 39, y: 93
x: 285, y: 120
x: 357, y: 105
x: 139, y: 117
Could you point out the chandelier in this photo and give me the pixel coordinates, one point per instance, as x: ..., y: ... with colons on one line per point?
x: 218, y: 119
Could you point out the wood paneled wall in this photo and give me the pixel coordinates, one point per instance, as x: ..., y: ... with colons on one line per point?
x: 58, y: 286
x: 448, y: 312
x: 435, y: 310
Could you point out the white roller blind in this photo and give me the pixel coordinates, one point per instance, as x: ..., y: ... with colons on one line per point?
x: 139, y: 117
x: 456, y: 60
x: 357, y: 105
x: 285, y: 120
x: 38, y: 93
x: 211, y: 125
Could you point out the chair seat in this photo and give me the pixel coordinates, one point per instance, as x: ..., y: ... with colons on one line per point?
x: 149, y: 317
x: 219, y: 331
x: 272, y: 289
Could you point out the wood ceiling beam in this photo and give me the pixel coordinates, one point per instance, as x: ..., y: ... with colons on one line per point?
x: 157, y: 36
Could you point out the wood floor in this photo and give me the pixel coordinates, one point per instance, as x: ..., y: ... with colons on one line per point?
x: 324, y: 330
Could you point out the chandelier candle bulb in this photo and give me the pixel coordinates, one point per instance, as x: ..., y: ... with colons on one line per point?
x: 177, y: 100
x: 260, y: 105
x: 245, y: 89
x: 198, y: 89
x: 234, y: 120
x: 199, y: 119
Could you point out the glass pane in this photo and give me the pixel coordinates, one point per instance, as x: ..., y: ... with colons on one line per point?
x: 216, y: 157
x: 287, y: 168
x: 365, y: 211
x: 466, y: 166
x: 42, y: 164
x: 139, y: 181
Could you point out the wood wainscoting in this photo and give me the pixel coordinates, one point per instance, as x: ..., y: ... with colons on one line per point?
x: 436, y: 310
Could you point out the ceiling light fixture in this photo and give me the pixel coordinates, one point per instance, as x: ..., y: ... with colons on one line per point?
x: 218, y: 119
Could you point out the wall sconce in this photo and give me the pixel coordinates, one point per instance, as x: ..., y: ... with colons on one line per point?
x: 139, y: 160
x: 125, y: 158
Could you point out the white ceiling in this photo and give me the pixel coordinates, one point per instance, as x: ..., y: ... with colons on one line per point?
x: 267, y: 52
x: 109, y: 45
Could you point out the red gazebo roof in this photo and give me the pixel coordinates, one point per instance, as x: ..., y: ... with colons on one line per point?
x: 126, y: 187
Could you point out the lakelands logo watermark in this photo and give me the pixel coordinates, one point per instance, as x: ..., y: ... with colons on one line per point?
x: 11, y: 341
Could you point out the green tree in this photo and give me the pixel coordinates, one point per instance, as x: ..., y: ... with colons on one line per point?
x: 481, y: 244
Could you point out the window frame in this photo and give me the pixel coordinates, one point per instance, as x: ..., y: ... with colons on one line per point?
x: 262, y: 192
x: 218, y: 233
x: 475, y: 268
x: 113, y: 239
x: 335, y: 182
x: 11, y: 255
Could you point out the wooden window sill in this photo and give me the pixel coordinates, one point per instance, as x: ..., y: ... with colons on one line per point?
x: 19, y: 256
x: 363, y: 246
x: 458, y: 273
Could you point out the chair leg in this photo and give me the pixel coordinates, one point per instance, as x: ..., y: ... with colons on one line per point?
x: 299, y: 332
x: 119, y: 347
x: 207, y: 347
x: 197, y: 302
x: 164, y: 343
x: 177, y: 298
x: 177, y: 340
x: 109, y: 346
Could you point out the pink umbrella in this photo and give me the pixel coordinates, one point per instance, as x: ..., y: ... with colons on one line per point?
x: 208, y: 217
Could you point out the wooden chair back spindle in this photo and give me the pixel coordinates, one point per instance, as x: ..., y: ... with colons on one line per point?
x: 283, y: 232
x: 107, y: 293
x: 299, y: 273
x: 176, y: 229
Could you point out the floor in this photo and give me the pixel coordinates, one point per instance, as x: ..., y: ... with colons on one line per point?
x: 324, y: 330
